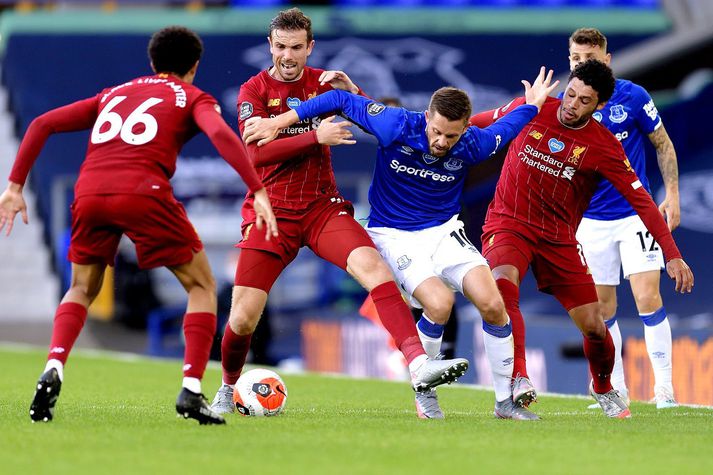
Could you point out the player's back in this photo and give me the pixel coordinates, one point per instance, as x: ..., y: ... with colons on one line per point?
x: 551, y: 172
x: 140, y: 127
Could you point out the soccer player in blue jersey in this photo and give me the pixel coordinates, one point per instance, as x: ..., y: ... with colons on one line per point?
x: 421, y: 165
x: 611, y: 232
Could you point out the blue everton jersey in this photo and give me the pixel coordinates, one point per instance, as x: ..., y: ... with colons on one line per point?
x: 411, y: 188
x: 631, y: 116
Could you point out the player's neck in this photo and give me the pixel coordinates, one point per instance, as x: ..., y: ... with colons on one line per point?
x: 273, y: 74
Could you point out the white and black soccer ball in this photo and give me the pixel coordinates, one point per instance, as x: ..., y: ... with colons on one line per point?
x: 260, y: 392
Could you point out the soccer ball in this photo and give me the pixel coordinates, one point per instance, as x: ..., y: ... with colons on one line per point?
x: 260, y: 392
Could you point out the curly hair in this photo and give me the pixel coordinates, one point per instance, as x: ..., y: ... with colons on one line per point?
x: 175, y: 49
x: 598, y: 76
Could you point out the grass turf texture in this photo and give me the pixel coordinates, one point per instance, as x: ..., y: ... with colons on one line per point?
x: 117, y: 416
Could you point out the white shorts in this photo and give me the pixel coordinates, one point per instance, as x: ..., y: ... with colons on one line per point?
x: 620, y: 243
x: 441, y: 251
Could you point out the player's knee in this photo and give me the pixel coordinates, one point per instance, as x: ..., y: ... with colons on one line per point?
x: 648, y: 301
x: 367, y: 266
x: 440, y: 308
x: 608, y: 308
x: 594, y: 328
x: 493, y: 310
x: 243, y: 322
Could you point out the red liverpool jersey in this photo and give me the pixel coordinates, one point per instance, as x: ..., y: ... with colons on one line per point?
x: 551, y: 172
x: 138, y: 128
x: 295, y: 169
x: 154, y: 112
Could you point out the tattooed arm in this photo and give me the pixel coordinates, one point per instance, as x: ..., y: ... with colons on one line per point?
x: 666, y: 155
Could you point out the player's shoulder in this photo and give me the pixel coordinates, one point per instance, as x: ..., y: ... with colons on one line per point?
x: 630, y: 90
x: 600, y: 135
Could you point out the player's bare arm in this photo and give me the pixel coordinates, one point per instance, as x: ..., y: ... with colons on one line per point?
x: 668, y: 165
x: 11, y: 203
x: 266, y: 130
x: 679, y: 271
x: 537, y: 92
x: 338, y: 80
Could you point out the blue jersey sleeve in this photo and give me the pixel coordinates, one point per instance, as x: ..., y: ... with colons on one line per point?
x: 385, y: 123
x: 647, y: 116
x: 482, y: 143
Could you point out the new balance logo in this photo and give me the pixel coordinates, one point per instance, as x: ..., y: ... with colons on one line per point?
x: 658, y: 354
x: 342, y: 212
x: 57, y: 349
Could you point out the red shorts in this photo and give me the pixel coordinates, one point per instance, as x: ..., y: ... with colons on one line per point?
x: 327, y: 227
x: 159, y: 228
x: 559, y: 267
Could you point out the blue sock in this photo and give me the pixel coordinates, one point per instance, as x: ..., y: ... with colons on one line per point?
x: 429, y: 328
x: 653, y: 319
x: 496, y: 331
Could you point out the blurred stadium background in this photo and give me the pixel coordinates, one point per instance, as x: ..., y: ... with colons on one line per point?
x: 55, y: 52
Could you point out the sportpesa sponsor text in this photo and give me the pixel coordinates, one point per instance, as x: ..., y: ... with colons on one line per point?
x: 420, y: 172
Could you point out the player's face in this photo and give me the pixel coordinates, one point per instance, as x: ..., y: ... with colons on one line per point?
x: 578, y: 103
x: 581, y: 53
x: 442, y: 133
x: 289, y: 53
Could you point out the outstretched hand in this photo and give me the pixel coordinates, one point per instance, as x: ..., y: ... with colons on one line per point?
x: 11, y: 203
x: 338, y: 80
x: 537, y: 92
x: 334, y: 133
x: 679, y: 271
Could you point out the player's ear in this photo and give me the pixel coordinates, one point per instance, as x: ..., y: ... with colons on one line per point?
x: 310, y: 46
x: 601, y: 105
x: 427, y: 115
x: 153, y: 68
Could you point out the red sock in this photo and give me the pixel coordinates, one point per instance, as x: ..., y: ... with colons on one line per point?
x: 600, y: 354
x: 397, y: 319
x: 68, y: 323
x: 199, y: 329
x: 511, y: 297
x: 234, y: 349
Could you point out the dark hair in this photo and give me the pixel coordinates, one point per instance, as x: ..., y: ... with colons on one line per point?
x: 589, y: 36
x: 598, y: 76
x: 292, y: 20
x: 175, y: 49
x: 451, y: 103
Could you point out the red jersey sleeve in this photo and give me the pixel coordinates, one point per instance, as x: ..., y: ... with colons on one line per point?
x: 278, y: 150
x: 486, y: 118
x: 79, y: 115
x: 209, y: 120
x: 616, y: 168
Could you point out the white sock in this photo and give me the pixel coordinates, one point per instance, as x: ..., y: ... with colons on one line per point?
x: 617, y: 375
x: 430, y: 344
x: 500, y: 352
x: 416, y: 363
x: 659, y: 347
x: 192, y: 384
x: 56, y: 364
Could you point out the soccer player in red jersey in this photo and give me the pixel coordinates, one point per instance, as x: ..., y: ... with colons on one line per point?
x: 297, y: 171
x: 138, y: 128
x: 551, y: 170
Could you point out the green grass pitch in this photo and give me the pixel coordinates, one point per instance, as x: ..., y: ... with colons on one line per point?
x: 116, y: 415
